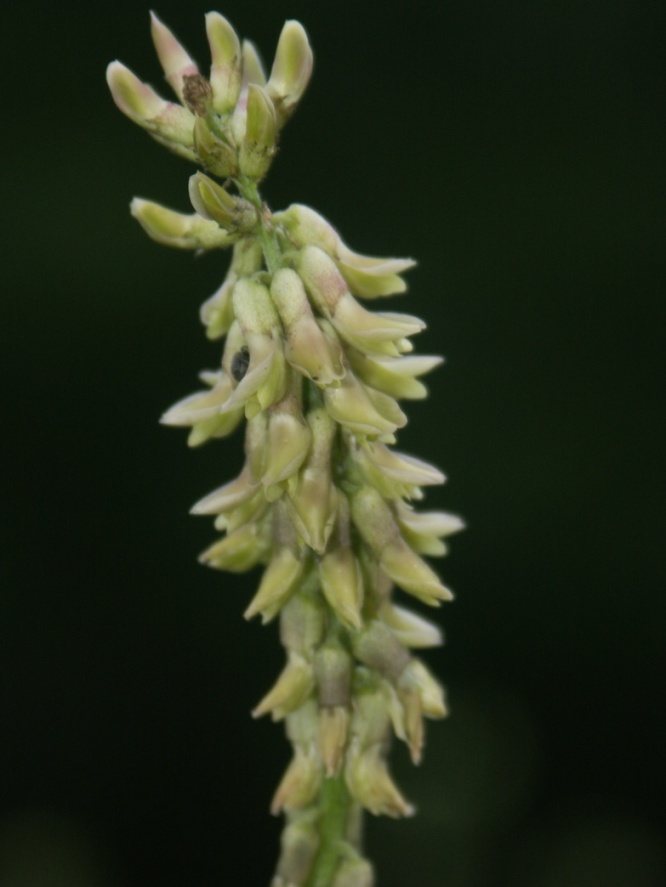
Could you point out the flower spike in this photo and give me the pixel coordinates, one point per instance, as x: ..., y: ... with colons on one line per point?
x: 322, y: 505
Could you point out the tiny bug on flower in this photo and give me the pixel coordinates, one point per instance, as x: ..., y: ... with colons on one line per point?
x: 239, y: 363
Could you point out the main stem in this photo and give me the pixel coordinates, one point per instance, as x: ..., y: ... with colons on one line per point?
x: 269, y: 244
x: 335, y: 800
x: 334, y: 810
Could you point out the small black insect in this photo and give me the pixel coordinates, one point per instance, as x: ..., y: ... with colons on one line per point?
x: 239, y: 363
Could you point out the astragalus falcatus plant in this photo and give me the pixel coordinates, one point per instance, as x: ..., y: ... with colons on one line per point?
x: 323, y: 502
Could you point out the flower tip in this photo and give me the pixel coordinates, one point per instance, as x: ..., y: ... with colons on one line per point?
x: 135, y: 99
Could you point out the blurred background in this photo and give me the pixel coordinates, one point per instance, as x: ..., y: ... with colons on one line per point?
x: 517, y: 151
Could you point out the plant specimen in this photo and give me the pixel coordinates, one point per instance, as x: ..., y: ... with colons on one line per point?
x: 323, y: 502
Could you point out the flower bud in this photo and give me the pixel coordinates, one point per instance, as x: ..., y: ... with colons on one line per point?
x: 300, y: 783
x: 419, y: 694
x: 303, y: 777
x: 302, y: 623
x: 253, y: 510
x: 333, y: 672
x: 305, y: 227
x: 342, y: 585
x: 176, y: 229
x: 355, y: 872
x: 393, y: 376
x: 409, y: 628
x: 291, y: 70
x: 374, y: 520
x: 226, y: 497
x: 217, y: 312
x: 279, y: 581
x: 264, y: 382
x: 168, y: 123
x: 370, y: 332
x: 239, y: 551
x: 333, y: 733
x: 369, y: 782
x: 307, y: 349
x: 421, y: 530
x: 371, y: 283
x: 225, y: 71
x: 340, y: 574
x: 212, y: 202
x: 259, y: 143
x: 312, y: 498
x: 218, y: 156
x: 291, y: 689
x: 298, y: 848
x: 201, y: 405
x: 378, y: 648
x: 289, y: 440
x: 174, y: 58
x: 361, y: 410
x: 365, y: 276
x: 394, y: 475
x: 253, y: 70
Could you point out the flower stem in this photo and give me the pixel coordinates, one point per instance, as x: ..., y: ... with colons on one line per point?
x: 334, y: 807
x: 265, y: 232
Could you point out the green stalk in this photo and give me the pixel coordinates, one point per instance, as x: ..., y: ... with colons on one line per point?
x: 334, y: 809
x: 265, y: 232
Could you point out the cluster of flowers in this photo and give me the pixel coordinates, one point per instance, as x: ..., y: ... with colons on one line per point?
x: 323, y: 500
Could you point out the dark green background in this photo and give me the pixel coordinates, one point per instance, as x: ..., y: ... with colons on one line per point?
x: 517, y: 151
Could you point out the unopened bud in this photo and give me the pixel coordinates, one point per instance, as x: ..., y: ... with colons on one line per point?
x: 174, y: 58
x: 298, y: 848
x: 378, y: 648
x: 216, y: 155
x: 302, y: 623
x: 212, y: 202
x: 393, y: 376
x: 290, y: 690
x: 361, y: 410
x: 225, y: 72
x: 239, y: 551
x: 170, y: 124
x: 312, y: 498
x: 333, y: 734
x: 393, y: 474
x: 369, y: 782
x: 253, y: 70
x: 409, y: 628
x: 340, y: 573
x: 375, y: 333
x: 376, y: 524
x: 354, y: 873
x: 259, y: 143
x: 289, y: 440
x: 277, y: 584
x: 300, y: 782
x: 176, y: 229
x: 291, y: 70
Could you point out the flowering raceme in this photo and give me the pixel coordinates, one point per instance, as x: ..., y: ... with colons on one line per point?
x: 323, y: 501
